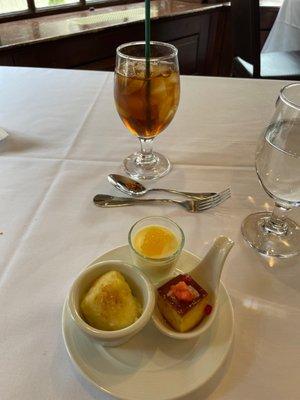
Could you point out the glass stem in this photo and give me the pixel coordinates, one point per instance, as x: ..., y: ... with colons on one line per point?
x: 146, y: 157
x: 276, y: 224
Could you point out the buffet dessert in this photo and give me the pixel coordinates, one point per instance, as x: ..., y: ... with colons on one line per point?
x: 154, y: 241
x: 183, y: 302
x: 109, y: 303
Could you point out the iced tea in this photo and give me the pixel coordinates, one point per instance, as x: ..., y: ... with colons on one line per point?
x: 147, y: 105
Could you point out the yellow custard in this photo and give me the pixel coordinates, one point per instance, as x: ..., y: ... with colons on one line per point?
x: 109, y: 303
x: 155, y: 241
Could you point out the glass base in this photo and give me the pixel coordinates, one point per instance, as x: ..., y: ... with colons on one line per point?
x: 155, y: 168
x: 270, y: 244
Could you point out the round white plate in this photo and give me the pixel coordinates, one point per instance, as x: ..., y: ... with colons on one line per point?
x: 151, y: 365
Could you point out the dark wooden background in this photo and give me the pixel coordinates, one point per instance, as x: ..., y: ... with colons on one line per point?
x: 203, y: 40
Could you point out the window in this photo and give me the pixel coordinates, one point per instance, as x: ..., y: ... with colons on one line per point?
x: 53, y: 3
x: 16, y: 9
x: 8, y: 6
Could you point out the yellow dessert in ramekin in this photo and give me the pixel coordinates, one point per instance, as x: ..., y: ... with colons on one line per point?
x: 155, y: 244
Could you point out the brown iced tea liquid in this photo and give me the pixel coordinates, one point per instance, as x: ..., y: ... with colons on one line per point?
x: 147, y: 106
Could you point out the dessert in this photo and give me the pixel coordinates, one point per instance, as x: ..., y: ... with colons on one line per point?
x: 154, y: 241
x: 109, y: 303
x: 183, y: 302
x: 155, y: 246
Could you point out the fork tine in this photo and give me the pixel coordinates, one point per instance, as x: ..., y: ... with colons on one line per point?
x: 225, y: 192
x: 210, y: 198
x: 202, y: 207
x: 224, y: 197
x: 208, y: 207
x: 216, y: 197
x: 198, y: 206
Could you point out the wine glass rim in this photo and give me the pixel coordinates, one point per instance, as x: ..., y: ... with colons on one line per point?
x: 161, y: 58
x: 285, y: 99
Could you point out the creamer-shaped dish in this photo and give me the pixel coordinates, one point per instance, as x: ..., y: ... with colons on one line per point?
x: 207, y: 274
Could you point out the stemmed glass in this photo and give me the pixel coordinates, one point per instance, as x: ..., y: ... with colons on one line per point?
x: 146, y: 97
x: 278, y: 169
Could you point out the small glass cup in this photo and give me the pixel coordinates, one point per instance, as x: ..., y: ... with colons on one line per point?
x: 156, y: 268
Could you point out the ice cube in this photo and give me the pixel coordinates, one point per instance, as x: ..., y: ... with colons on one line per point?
x: 165, y: 109
x: 132, y: 86
x: 165, y: 68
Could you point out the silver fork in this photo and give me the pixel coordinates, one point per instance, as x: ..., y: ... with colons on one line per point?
x: 194, y: 206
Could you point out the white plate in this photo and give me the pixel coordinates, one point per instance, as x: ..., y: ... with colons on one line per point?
x: 151, y: 365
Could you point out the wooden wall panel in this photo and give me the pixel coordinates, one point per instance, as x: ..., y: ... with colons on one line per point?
x: 97, y: 50
x: 6, y: 59
x: 204, y: 41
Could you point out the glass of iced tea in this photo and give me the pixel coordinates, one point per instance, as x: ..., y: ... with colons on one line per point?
x: 146, y: 97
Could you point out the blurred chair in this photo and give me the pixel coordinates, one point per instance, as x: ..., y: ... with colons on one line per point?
x: 248, y: 62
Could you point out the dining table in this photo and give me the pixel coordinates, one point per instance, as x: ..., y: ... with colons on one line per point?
x: 65, y: 137
x: 285, y: 32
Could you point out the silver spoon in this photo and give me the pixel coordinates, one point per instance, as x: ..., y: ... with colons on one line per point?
x: 134, y: 188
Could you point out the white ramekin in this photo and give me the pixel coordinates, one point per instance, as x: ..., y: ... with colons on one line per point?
x: 138, y: 282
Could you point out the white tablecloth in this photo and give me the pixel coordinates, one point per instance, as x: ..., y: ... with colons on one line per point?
x: 285, y: 33
x: 65, y: 137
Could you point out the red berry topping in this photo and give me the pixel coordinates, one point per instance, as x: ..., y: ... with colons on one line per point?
x: 208, y: 309
x: 182, y: 292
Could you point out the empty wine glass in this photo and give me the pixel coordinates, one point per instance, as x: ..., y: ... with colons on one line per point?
x: 278, y: 170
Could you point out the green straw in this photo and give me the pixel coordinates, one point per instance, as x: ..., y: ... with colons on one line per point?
x: 147, y: 36
x: 147, y: 57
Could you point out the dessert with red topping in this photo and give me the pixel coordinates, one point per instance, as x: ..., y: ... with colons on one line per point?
x: 183, y: 302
